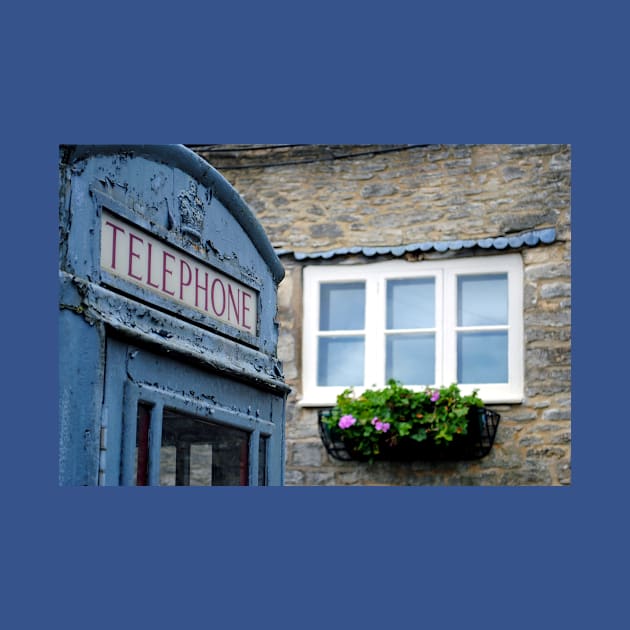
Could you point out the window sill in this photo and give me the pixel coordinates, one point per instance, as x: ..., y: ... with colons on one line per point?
x: 322, y: 403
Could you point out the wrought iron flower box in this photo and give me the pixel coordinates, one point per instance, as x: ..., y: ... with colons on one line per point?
x: 475, y: 444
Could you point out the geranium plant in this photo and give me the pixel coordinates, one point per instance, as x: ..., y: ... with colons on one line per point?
x: 380, y: 419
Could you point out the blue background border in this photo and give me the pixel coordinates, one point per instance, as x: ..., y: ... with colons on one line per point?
x: 307, y: 557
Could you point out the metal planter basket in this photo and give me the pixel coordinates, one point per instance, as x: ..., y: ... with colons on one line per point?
x: 475, y: 444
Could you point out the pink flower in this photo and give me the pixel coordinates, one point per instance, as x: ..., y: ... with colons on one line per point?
x: 380, y: 426
x: 346, y: 421
x: 435, y: 396
x: 375, y: 420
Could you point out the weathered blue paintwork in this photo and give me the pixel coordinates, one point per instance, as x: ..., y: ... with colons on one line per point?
x: 119, y: 341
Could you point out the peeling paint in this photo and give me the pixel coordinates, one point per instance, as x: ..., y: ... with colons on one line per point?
x: 141, y: 339
x: 191, y: 210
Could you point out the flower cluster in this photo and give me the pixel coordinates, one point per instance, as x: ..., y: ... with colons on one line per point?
x: 345, y: 422
x: 380, y: 426
x: 380, y: 419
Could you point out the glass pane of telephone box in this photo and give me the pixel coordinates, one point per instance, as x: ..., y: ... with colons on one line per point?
x: 141, y: 465
x: 262, y: 461
x: 196, y: 452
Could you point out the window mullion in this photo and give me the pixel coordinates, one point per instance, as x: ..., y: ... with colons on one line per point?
x: 374, y: 332
x: 448, y: 342
x: 489, y: 327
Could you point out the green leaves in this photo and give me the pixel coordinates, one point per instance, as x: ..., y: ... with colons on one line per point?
x: 419, y: 435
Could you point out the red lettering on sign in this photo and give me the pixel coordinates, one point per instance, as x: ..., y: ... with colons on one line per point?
x: 198, y: 286
x: 133, y: 254
x: 155, y: 286
x: 234, y: 302
x: 115, y: 228
x: 166, y: 272
x: 212, y: 297
x: 245, y: 308
x: 183, y: 284
x: 141, y: 258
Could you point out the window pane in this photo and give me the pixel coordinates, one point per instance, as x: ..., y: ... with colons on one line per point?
x: 142, y: 444
x: 262, y: 461
x: 342, y: 306
x: 411, y: 359
x: 195, y: 452
x: 482, y: 300
x: 341, y: 361
x: 482, y: 357
x: 167, y: 465
x: 200, y: 465
x: 411, y: 303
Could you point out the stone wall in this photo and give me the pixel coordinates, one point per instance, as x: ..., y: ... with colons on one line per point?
x: 313, y: 198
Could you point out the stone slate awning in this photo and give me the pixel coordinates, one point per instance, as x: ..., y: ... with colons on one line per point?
x: 530, y: 239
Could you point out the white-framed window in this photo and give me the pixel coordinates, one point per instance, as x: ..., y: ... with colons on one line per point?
x: 432, y: 322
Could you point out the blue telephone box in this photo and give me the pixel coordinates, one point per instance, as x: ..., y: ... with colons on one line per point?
x: 168, y: 371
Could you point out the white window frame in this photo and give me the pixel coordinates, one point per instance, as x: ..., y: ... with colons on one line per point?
x: 445, y: 272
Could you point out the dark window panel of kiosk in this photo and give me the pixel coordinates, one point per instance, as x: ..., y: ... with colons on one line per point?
x: 142, y: 444
x: 262, y: 461
x: 195, y: 452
